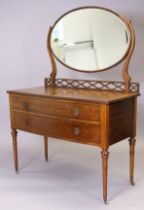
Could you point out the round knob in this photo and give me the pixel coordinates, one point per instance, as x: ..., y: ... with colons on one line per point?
x: 76, y: 111
x: 25, y: 104
x: 76, y: 131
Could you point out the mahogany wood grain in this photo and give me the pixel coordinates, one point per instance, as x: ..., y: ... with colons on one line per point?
x: 93, y: 117
x: 105, y: 146
x: 62, y: 128
x: 132, y: 141
x: 15, y: 151
x: 82, y: 95
x: 121, y: 117
x: 59, y: 108
x: 105, y: 155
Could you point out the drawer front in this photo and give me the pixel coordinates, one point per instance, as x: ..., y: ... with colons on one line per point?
x: 54, y: 107
x: 81, y: 132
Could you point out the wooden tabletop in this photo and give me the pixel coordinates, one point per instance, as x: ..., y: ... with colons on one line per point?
x: 96, y: 96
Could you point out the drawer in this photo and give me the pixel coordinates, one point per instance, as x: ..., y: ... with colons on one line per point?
x: 59, y: 108
x: 73, y: 130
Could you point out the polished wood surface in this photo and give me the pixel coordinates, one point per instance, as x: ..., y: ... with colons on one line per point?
x: 14, y: 138
x: 132, y: 141
x: 125, y: 73
x: 105, y: 155
x: 89, y: 132
x: 59, y: 108
x: 95, y: 117
x: 96, y: 96
x: 52, y: 60
x: 120, y: 117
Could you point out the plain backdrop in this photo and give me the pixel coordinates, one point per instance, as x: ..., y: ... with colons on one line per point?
x: 72, y: 178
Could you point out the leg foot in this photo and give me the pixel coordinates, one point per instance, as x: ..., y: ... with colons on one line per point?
x: 105, y: 155
x: 132, y: 153
x: 132, y: 181
x: 15, y: 151
x: 106, y: 202
x: 46, y: 147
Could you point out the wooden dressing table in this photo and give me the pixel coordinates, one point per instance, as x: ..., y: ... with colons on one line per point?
x: 98, y: 113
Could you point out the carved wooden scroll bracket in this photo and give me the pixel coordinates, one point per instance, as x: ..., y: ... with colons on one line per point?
x: 52, y: 60
x: 125, y: 73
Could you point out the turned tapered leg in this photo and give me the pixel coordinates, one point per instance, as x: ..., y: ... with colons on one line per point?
x: 105, y: 155
x: 15, y: 151
x: 46, y: 147
x: 132, y: 153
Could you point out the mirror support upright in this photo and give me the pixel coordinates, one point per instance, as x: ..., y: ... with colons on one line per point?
x: 125, y: 74
x: 52, y: 60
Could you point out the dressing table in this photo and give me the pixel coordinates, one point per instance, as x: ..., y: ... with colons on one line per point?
x: 98, y: 113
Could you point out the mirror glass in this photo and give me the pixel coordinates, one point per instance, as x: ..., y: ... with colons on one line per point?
x: 90, y: 39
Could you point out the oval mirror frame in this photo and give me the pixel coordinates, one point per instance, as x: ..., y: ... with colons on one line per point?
x: 121, y: 19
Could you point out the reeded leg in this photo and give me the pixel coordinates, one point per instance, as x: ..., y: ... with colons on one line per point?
x: 15, y: 152
x: 105, y: 155
x: 46, y: 147
x: 132, y: 152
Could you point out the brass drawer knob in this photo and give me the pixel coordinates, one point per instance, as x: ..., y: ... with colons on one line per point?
x: 25, y: 105
x: 76, y: 131
x: 76, y: 111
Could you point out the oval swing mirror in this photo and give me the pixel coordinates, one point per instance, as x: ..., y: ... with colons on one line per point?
x: 90, y: 39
